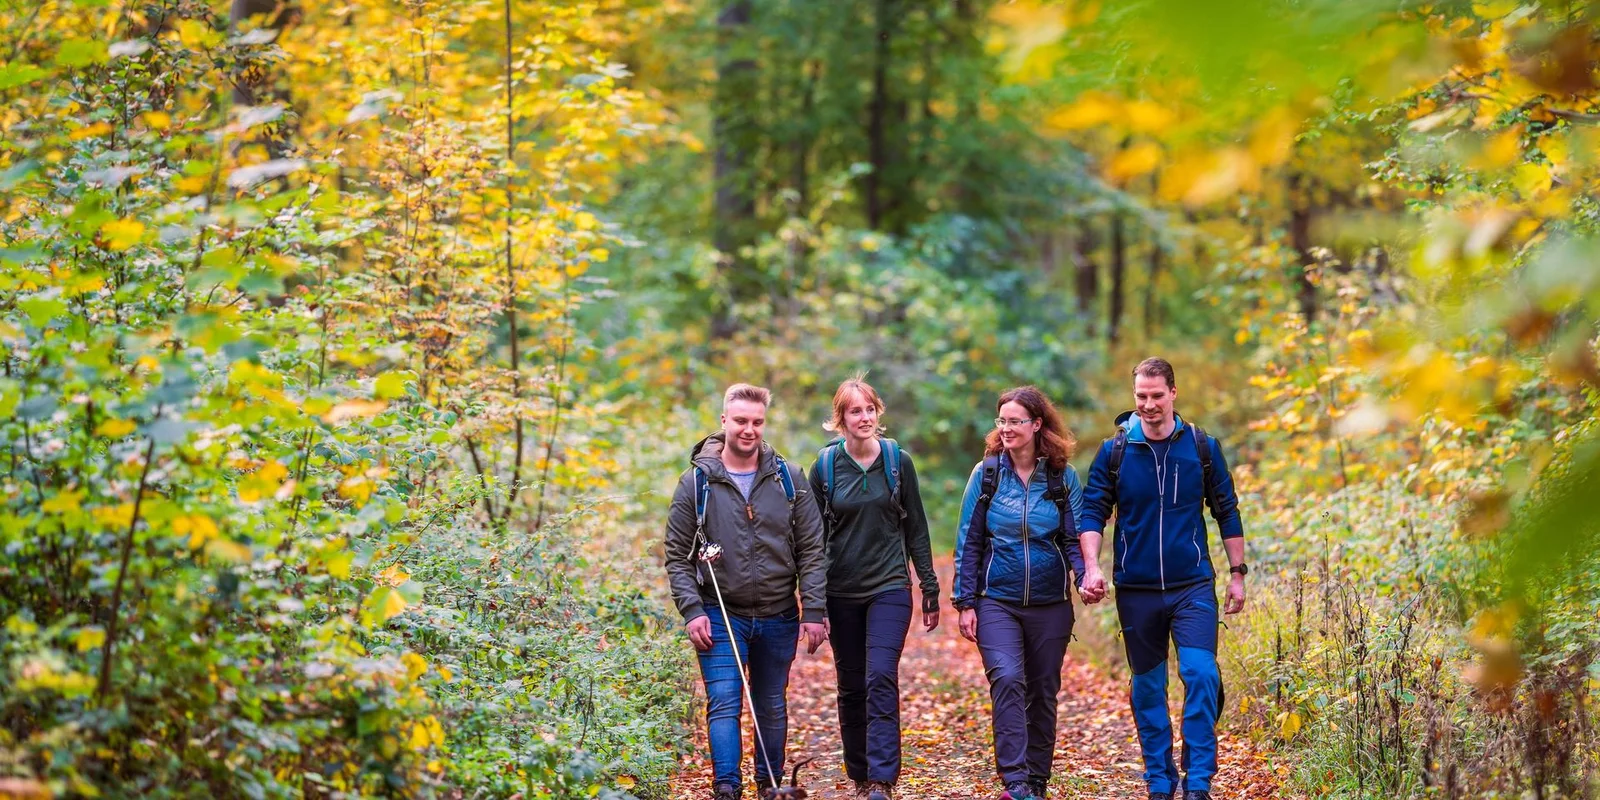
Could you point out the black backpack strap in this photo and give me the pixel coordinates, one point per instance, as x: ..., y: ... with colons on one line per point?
x: 1202, y: 448
x: 1056, y: 491
x: 702, y: 497
x: 1119, y: 446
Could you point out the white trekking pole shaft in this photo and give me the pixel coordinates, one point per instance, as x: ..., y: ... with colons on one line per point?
x: 709, y: 554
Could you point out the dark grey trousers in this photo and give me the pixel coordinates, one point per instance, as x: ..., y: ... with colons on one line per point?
x: 1023, y: 647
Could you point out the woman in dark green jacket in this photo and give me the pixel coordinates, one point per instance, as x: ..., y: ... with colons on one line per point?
x: 874, y: 522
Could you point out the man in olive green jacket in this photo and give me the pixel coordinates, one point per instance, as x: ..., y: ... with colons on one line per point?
x: 757, y: 508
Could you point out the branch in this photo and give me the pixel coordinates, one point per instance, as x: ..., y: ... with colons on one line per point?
x: 122, y: 577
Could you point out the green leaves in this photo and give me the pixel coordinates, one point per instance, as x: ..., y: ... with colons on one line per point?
x: 82, y: 53
x: 19, y: 74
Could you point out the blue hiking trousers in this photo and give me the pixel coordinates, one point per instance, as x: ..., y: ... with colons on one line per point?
x: 1188, y: 616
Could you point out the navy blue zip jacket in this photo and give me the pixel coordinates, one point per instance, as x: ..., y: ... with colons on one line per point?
x: 1160, y: 540
x: 1027, y: 555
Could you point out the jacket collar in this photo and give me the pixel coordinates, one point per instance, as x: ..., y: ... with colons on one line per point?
x: 1130, y: 423
x: 707, y: 455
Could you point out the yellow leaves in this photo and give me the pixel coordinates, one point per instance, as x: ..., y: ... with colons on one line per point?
x: 89, y: 131
x: 1289, y: 724
x: 584, y: 221
x: 385, y: 603
x: 89, y: 637
x: 393, y: 575
x: 157, y: 120
x: 1092, y: 109
x: 116, y: 428
x: 114, y: 517
x: 1500, y: 150
x: 200, y: 529
x: 1272, y: 141
x: 191, y: 184
x: 1204, y: 177
x: 47, y: 672
x: 1141, y: 158
x: 425, y: 733
x: 415, y: 665
x: 1144, y: 116
x: 265, y: 481
x: 63, y: 502
x: 1531, y: 179
x: 121, y: 234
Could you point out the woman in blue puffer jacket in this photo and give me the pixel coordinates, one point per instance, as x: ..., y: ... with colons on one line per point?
x: 1014, y: 548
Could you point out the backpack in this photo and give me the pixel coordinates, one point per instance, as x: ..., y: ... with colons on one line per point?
x: 702, y: 496
x: 891, y: 463
x: 1202, y: 446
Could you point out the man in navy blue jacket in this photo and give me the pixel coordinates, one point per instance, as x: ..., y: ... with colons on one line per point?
x: 1162, y: 571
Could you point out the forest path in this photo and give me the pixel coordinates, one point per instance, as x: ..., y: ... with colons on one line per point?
x: 944, y: 719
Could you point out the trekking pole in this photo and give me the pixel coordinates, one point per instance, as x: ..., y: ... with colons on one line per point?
x: 710, y: 553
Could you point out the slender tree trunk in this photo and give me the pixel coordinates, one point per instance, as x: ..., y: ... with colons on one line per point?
x: 1152, y: 289
x: 255, y: 86
x: 883, y: 199
x: 733, y: 128
x: 1119, y: 278
x: 1300, y: 219
x: 1087, y: 273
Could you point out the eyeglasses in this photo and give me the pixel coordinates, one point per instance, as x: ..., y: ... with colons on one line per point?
x: 1002, y: 422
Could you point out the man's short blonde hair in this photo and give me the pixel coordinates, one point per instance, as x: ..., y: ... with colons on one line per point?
x: 747, y: 392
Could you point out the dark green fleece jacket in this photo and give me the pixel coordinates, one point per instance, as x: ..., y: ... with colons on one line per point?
x: 868, y: 543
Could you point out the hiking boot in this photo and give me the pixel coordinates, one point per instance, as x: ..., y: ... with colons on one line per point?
x: 878, y: 790
x: 1160, y: 796
x: 860, y: 789
x: 1017, y: 790
x: 726, y: 791
x: 1196, y: 794
x: 1037, y: 785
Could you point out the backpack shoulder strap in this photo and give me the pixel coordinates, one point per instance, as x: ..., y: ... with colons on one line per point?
x: 783, y: 475
x: 702, y: 494
x: 891, y: 470
x: 1202, y: 448
x: 1056, y: 490
x: 825, y: 462
x: 1119, y: 446
x: 990, y: 481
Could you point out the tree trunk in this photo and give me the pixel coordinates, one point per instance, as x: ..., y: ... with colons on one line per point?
x: 1152, y: 288
x: 1300, y: 218
x: 886, y: 117
x: 1119, y: 276
x: 733, y: 128
x: 1087, y: 273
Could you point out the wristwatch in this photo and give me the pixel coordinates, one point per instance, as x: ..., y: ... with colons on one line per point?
x: 1242, y: 569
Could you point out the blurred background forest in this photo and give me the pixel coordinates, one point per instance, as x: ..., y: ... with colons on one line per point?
x: 349, y: 347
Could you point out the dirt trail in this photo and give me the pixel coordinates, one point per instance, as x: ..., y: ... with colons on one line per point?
x: 946, y: 735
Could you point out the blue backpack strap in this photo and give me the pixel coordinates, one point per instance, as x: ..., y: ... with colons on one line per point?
x: 891, y: 468
x: 825, y: 461
x: 783, y: 475
x: 702, y: 494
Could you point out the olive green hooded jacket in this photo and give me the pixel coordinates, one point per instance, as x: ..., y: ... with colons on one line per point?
x: 770, y: 546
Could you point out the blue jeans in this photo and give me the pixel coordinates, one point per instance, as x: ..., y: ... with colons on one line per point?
x: 1186, y: 616
x: 867, y: 638
x: 767, y: 646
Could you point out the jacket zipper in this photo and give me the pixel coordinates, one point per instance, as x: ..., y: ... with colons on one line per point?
x: 1161, y: 513
x: 1028, y: 572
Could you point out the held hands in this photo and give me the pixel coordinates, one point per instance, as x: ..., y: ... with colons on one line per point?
x: 968, y: 623
x: 700, y: 632
x: 1093, y: 588
x: 813, y: 633
x: 1235, y: 602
